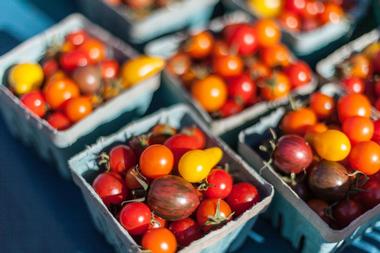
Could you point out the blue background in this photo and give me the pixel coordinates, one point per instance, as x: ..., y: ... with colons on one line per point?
x: 39, y: 211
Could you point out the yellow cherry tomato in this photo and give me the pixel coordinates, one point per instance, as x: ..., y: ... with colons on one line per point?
x: 265, y: 8
x: 332, y: 145
x: 372, y: 49
x: 195, y: 165
x: 25, y: 77
x: 140, y: 68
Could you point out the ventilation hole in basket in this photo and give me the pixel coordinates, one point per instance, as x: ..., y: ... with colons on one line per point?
x: 301, y: 244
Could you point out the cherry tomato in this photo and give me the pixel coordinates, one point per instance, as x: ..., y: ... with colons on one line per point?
x: 88, y: 79
x: 332, y: 145
x: 228, y: 66
x: 121, y: 158
x: 376, y: 133
x: 58, y: 120
x: 229, y: 108
x: 299, y: 74
x: 265, y: 9
x: 312, y: 9
x: 242, y: 197
x: 290, y: 21
x: 110, y: 188
x: 296, y: 6
x: 77, y: 38
x: 156, y: 160
x: 157, y: 222
x: 159, y: 240
x: 358, y: 66
x: 275, y: 86
x: 365, y: 156
x: 353, y: 85
x: 207, y: 215
x: 219, y: 184
x: 78, y: 108
x: 109, y: 69
x: 358, y: 128
x: 200, y: 45
x: 35, y: 102
x: 94, y: 49
x: 267, y: 31
x: 243, y: 39
x: 210, y: 92
x: 73, y: 59
x: 25, y: 77
x: 135, y: 218
x: 179, y: 64
x: 198, y: 135
x: 297, y: 121
x: 50, y: 66
x: 179, y: 144
x: 353, y: 105
x: 276, y: 55
x: 57, y: 91
x: 346, y: 211
x: 241, y: 88
x: 322, y: 105
x: 185, y: 231
x: 332, y: 13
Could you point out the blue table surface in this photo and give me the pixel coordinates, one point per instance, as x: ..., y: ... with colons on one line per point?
x: 39, y: 211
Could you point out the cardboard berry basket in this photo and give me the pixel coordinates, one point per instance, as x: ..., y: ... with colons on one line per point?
x: 298, y: 223
x: 59, y: 146
x: 305, y: 43
x: 179, y: 14
x: 167, y: 46
x: 84, y: 167
x: 326, y: 68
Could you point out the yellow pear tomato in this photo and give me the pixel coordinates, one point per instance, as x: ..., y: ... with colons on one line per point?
x: 25, y: 77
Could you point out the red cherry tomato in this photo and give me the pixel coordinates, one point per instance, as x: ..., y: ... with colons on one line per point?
x: 353, y: 105
x: 299, y: 74
x: 159, y: 240
x: 219, y: 184
x: 122, y: 158
x: 77, y: 38
x: 73, y: 59
x: 58, y: 120
x: 353, y: 85
x: 242, y: 197
x: 179, y: 144
x: 229, y: 108
x: 242, y: 37
x: 322, y: 105
x: 207, y: 213
x: 197, y: 134
x: 370, y: 194
x: 110, y: 188
x: 156, y: 160
x: 241, y: 88
x: 228, y: 65
x: 290, y: 21
x: 365, y: 156
x: 346, y: 211
x: 358, y: 128
x: 35, y: 102
x: 50, y: 66
x: 135, y: 218
x: 109, y: 69
x: 185, y: 231
x: 296, y: 6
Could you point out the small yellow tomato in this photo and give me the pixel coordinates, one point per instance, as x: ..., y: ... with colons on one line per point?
x: 25, y: 77
x: 140, y: 68
x: 265, y: 8
x: 372, y: 50
x: 332, y: 145
x: 195, y: 165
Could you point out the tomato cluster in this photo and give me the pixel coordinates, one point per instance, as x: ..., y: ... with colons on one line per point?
x: 167, y: 189
x: 360, y: 73
x: 329, y: 153
x: 140, y: 8
x: 74, y: 78
x: 302, y: 15
x: 238, y: 67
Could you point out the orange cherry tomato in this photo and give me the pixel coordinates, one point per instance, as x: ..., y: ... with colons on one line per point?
x: 57, y: 91
x: 332, y: 13
x: 353, y: 105
x: 267, y: 31
x: 275, y: 86
x: 78, y: 108
x: 156, y: 160
x: 365, y: 157
x: 208, y: 209
x: 95, y: 50
x: 159, y: 240
x: 358, y: 128
x: 323, y: 105
x: 290, y: 21
x: 210, y: 92
x: 358, y: 66
x: 332, y: 145
x: 276, y: 55
x: 298, y: 121
x: 200, y: 45
x: 228, y: 65
x: 179, y: 64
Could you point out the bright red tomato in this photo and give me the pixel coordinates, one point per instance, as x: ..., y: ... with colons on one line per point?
x: 179, y: 144
x: 299, y: 74
x: 208, y: 217
x: 365, y: 156
x: 198, y: 135
x: 110, y: 188
x: 219, y: 184
x: 185, y: 231
x: 241, y: 88
x: 296, y: 6
x: 242, y: 197
x: 73, y: 59
x: 121, y: 158
x: 135, y: 217
x: 35, y: 102
x: 242, y: 37
x: 77, y: 38
x: 156, y: 160
x: 159, y: 240
x: 109, y: 69
x: 353, y: 84
x: 59, y: 121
